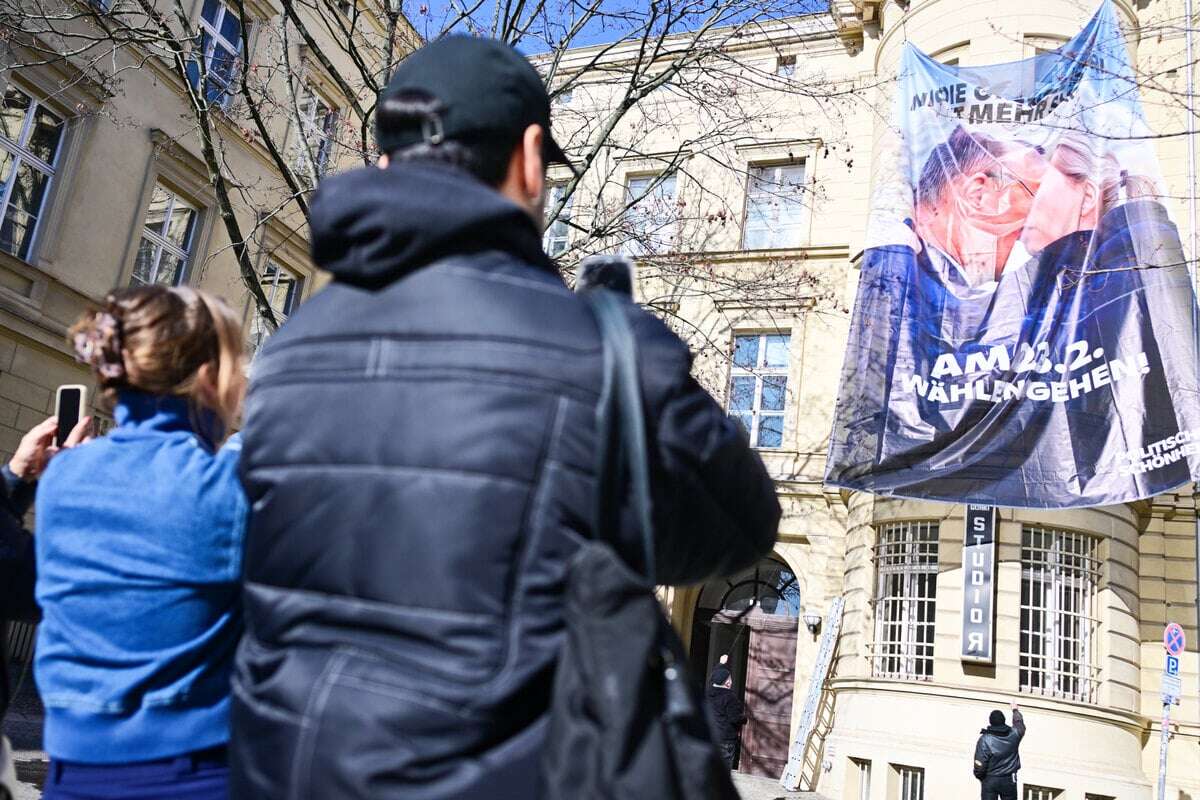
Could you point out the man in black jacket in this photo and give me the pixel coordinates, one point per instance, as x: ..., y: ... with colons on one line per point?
x: 419, y: 451
x: 728, y: 712
x: 997, y: 756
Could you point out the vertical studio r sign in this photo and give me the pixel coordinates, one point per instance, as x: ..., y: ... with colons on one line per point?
x: 979, y: 585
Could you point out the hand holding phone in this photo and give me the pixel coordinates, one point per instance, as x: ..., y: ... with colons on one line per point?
x: 70, y: 402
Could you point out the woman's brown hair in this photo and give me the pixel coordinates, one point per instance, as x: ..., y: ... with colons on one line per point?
x: 158, y: 340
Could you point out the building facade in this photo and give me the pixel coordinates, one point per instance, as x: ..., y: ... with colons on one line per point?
x: 749, y: 245
x: 104, y: 183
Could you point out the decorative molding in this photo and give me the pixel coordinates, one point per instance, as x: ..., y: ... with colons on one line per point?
x: 808, y: 144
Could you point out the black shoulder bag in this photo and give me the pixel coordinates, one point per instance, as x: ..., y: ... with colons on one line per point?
x: 625, y: 722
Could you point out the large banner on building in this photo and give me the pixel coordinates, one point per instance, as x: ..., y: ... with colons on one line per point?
x: 1024, y: 330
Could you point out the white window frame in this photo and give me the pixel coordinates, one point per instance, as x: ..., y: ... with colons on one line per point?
x: 906, y: 569
x: 910, y: 782
x: 557, y: 237
x: 216, y: 39
x: 260, y: 331
x: 757, y: 173
x: 644, y: 240
x: 304, y: 162
x: 163, y: 244
x: 1041, y: 793
x: 862, y: 767
x: 760, y: 371
x: 20, y: 154
x: 1060, y: 614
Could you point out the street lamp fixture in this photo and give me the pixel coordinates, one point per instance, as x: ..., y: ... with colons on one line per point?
x: 813, y: 620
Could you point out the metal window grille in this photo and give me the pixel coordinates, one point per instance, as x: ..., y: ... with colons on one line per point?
x: 911, y: 781
x: 774, y: 206
x: 558, y: 233
x: 1060, y: 579
x: 1042, y: 793
x: 315, y: 131
x: 30, y: 135
x: 906, y: 558
x: 758, y: 386
x: 282, y: 288
x: 652, y: 214
x: 166, y: 239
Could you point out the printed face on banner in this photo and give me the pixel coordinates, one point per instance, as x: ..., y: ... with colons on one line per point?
x: 1023, y: 334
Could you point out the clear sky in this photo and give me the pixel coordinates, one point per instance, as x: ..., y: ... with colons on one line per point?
x: 617, y: 19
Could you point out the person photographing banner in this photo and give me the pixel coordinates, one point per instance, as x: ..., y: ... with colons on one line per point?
x: 998, y: 757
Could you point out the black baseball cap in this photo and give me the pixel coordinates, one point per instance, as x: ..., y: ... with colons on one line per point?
x: 485, y: 88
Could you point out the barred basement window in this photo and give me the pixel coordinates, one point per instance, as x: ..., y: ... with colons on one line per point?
x: 1042, y: 793
x: 911, y: 782
x: 1060, y: 578
x: 861, y: 772
x: 906, y: 559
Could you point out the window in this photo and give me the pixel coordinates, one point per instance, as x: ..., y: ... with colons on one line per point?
x: 774, y: 207
x: 558, y: 232
x: 652, y: 215
x: 30, y: 136
x: 219, y: 50
x: 1090, y: 796
x: 164, y: 251
x: 860, y: 778
x: 769, y: 586
x: 315, y: 132
x: 1060, y: 577
x: 910, y: 781
x: 758, y: 386
x: 906, y: 559
x: 785, y: 66
x: 282, y: 288
x: 1041, y: 793
x: 565, y: 96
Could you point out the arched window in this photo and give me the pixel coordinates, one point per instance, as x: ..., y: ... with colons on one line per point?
x: 770, y: 585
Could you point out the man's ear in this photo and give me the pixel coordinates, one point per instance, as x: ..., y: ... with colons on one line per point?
x: 974, y: 187
x: 1090, y: 207
x: 533, y: 168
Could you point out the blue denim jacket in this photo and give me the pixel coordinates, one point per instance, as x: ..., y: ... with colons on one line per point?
x: 139, y: 551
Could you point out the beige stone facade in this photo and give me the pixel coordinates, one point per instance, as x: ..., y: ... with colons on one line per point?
x: 888, y: 731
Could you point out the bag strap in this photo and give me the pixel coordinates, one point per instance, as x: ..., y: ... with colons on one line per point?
x: 621, y: 426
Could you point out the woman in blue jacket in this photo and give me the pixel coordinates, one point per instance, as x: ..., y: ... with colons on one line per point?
x: 139, y: 542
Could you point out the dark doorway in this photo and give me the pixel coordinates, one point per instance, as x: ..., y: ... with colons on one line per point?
x: 753, y: 617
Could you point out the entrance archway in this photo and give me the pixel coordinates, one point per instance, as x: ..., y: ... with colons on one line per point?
x: 754, y: 617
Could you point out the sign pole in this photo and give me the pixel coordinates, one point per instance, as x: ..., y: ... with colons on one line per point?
x: 1175, y: 643
x: 1162, y: 751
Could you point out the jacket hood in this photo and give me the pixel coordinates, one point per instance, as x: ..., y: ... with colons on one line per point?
x: 997, y: 730
x: 373, y: 226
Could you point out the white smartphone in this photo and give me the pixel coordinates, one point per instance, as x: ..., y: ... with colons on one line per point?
x: 70, y: 404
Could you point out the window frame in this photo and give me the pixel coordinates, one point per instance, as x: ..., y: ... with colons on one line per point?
x: 913, y: 559
x: 215, y: 39
x: 20, y: 153
x: 554, y: 191
x: 1067, y: 574
x: 910, y: 782
x: 258, y: 335
x: 634, y: 245
x: 803, y: 218
x: 785, y: 66
x: 186, y: 254
x: 760, y: 372
x: 310, y: 100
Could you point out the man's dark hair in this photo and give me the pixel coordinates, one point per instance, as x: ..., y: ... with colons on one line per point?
x: 487, y: 158
x: 962, y: 154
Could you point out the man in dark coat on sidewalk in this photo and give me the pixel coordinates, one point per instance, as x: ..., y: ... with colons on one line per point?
x: 728, y: 712
x: 997, y: 756
x: 420, y: 455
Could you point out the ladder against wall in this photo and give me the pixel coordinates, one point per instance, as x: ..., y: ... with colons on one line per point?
x: 812, y: 702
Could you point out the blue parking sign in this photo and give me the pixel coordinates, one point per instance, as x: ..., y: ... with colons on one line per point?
x: 1172, y: 665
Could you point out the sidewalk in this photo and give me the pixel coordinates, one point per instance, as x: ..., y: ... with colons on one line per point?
x: 23, y: 726
x: 755, y: 788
